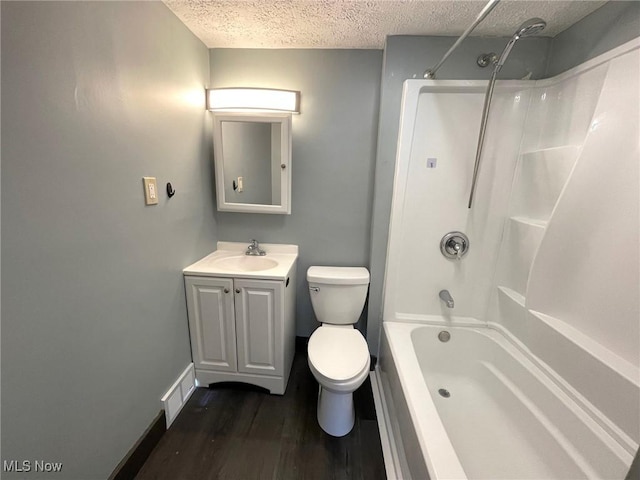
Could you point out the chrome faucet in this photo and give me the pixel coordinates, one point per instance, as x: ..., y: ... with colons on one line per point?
x: 254, y: 249
x: 446, y: 297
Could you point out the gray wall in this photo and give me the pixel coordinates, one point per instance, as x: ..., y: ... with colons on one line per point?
x: 332, y: 160
x: 94, y: 325
x: 408, y: 57
x: 608, y: 27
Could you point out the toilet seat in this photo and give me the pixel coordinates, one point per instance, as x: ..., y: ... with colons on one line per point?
x: 338, y: 355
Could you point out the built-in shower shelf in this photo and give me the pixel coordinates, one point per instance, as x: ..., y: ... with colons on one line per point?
x: 522, y: 239
x: 513, y: 295
x: 540, y: 178
x: 531, y: 222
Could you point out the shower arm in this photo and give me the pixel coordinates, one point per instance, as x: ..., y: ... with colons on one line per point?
x: 431, y: 73
x: 483, y: 129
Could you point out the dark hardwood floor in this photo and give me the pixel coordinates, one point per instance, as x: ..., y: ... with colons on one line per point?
x: 239, y: 432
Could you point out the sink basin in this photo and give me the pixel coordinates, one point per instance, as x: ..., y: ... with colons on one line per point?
x: 229, y: 260
x: 245, y: 263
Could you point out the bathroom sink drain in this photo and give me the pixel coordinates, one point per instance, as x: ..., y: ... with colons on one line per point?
x: 444, y: 336
x: 444, y: 393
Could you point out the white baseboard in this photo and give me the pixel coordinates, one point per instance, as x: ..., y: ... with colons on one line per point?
x: 178, y: 394
x: 389, y: 452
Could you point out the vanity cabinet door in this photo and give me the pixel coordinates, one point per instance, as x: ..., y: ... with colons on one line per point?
x: 212, y: 323
x: 259, y: 325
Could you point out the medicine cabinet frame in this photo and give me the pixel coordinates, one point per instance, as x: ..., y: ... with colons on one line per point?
x: 222, y: 179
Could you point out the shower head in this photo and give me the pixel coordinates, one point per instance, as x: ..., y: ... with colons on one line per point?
x: 530, y: 27
x: 527, y: 29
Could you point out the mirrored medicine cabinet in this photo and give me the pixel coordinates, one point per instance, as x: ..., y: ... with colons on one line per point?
x: 252, y: 156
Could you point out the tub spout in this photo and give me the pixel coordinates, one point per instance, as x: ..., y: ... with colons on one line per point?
x: 446, y: 297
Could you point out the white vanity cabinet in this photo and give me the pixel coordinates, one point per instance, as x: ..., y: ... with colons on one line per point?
x: 212, y: 324
x: 242, y: 324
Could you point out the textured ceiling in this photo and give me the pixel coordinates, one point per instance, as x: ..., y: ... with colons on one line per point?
x: 360, y: 23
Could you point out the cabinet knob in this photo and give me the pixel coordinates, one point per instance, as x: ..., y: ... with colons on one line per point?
x: 237, y: 290
x: 226, y: 290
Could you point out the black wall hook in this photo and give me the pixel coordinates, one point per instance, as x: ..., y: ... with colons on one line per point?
x: 170, y: 191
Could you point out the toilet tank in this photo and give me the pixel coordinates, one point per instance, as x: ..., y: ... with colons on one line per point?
x: 338, y: 293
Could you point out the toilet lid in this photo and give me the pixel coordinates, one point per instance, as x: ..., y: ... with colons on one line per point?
x: 338, y: 353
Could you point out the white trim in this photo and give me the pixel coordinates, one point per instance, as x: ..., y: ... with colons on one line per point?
x: 387, y: 439
x: 178, y: 394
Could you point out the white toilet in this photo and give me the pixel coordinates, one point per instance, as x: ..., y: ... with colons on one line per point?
x: 338, y: 353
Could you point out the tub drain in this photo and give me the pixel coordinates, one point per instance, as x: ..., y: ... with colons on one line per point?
x: 444, y: 336
x: 444, y: 393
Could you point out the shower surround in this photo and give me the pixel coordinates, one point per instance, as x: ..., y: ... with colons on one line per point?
x: 550, y: 282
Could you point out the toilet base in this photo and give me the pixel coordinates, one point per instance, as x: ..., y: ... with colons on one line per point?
x: 336, y: 414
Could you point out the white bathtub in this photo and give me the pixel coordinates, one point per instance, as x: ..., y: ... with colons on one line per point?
x: 504, y: 418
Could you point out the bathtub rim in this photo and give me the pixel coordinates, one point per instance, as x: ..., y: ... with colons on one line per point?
x: 491, y: 330
x: 617, y: 433
x: 439, y: 445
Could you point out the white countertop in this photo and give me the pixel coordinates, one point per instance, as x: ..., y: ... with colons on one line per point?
x: 285, y: 255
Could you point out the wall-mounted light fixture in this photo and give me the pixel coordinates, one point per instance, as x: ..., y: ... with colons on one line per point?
x: 253, y: 99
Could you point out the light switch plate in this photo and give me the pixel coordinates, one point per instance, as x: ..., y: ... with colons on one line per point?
x: 150, y: 190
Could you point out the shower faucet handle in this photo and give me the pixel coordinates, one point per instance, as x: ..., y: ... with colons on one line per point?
x: 454, y: 245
